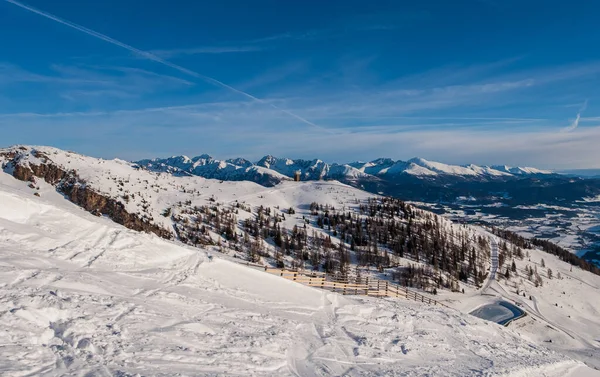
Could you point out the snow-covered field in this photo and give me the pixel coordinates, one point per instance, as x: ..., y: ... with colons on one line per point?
x: 80, y: 295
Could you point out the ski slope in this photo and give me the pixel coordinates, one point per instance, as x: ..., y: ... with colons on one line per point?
x: 80, y: 295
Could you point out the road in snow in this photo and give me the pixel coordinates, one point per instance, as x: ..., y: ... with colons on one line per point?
x: 493, y: 265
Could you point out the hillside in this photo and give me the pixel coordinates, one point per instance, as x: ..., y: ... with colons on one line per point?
x: 82, y: 295
x: 315, y: 225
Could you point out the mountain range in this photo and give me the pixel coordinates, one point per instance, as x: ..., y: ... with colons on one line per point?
x: 271, y: 170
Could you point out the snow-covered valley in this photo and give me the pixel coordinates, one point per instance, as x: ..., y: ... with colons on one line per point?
x: 82, y: 295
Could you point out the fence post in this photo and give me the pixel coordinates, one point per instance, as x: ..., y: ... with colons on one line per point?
x: 386, y: 288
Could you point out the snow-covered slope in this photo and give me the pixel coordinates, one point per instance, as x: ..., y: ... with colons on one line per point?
x: 373, y: 167
x: 521, y: 170
x: 469, y: 170
x: 80, y: 295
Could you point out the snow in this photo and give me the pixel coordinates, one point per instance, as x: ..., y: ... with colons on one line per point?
x: 208, y: 167
x: 80, y: 295
x: 408, y: 168
x: 562, y: 314
x: 421, y: 167
x: 310, y: 169
x: 521, y: 170
x: 592, y: 199
x: 442, y: 168
x: 282, y: 168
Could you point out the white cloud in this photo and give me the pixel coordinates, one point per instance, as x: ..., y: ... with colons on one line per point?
x: 246, y: 129
x: 575, y: 122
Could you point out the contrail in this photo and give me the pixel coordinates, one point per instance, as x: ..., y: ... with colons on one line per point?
x: 157, y: 59
x: 575, y: 123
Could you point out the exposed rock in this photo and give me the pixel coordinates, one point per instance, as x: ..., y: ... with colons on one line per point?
x: 50, y: 173
x: 75, y: 189
x: 93, y: 202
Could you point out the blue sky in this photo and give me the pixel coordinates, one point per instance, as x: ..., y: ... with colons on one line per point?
x: 466, y: 81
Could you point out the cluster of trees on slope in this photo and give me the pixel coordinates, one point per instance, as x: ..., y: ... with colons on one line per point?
x: 375, y: 233
x: 385, y: 228
x: 547, y: 246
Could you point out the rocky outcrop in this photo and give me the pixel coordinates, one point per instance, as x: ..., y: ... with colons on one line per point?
x: 76, y: 190
x: 96, y: 203
x: 48, y: 172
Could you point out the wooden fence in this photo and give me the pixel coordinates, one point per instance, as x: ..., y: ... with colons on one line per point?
x: 351, y: 285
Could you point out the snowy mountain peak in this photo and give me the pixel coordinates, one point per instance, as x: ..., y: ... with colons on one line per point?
x: 522, y: 170
x: 317, y: 169
x: 239, y: 162
x: 203, y: 157
x: 419, y: 161
x: 267, y: 160
x: 383, y: 160
x: 183, y: 159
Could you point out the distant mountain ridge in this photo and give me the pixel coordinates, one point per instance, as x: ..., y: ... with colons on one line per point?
x: 271, y: 170
x: 205, y: 166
